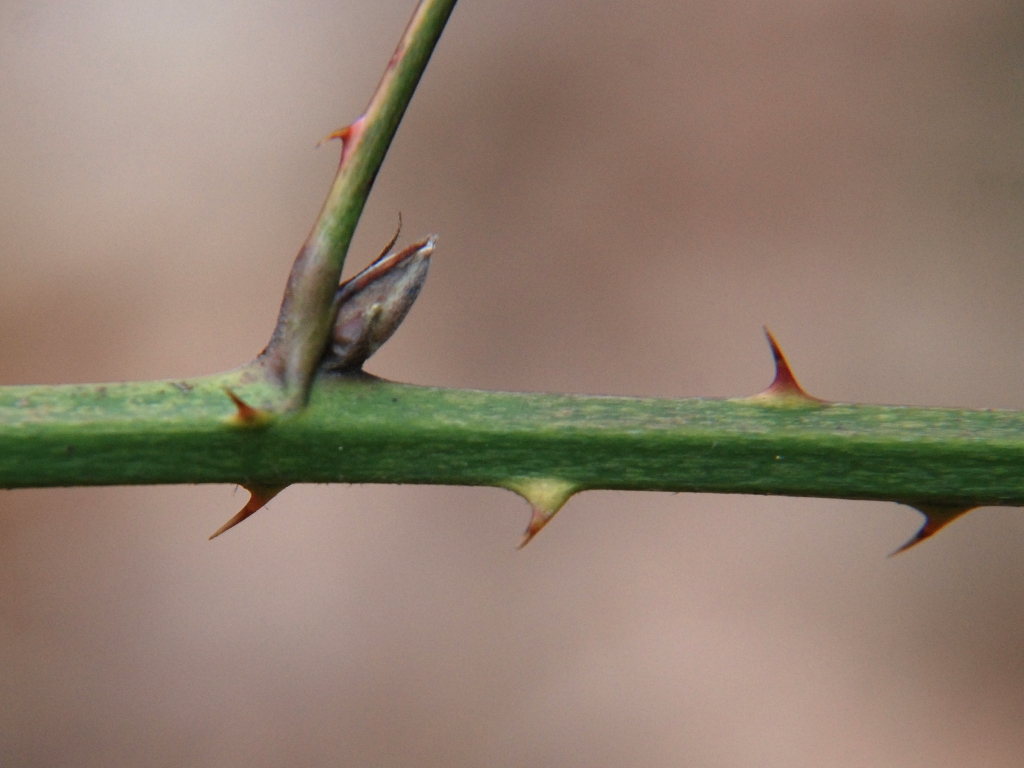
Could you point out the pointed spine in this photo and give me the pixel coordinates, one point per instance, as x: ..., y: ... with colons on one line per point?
x: 936, y: 517
x: 784, y: 389
x: 546, y: 496
x: 246, y: 415
x: 349, y: 137
x: 259, y: 495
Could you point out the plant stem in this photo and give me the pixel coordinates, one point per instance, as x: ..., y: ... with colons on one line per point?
x: 305, y: 319
x: 358, y: 429
x: 276, y: 421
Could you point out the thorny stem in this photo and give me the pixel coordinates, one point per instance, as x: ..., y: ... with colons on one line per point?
x: 305, y: 319
x: 277, y: 421
x: 359, y: 429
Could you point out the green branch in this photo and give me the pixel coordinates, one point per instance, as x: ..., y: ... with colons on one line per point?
x: 358, y: 429
x: 304, y: 323
x: 284, y: 419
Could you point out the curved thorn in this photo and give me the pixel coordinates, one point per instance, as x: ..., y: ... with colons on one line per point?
x: 784, y: 386
x: 349, y: 136
x: 936, y: 517
x: 342, y: 133
x: 259, y: 495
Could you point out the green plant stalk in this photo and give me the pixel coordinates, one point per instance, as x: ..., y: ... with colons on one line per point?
x: 305, y: 319
x: 358, y: 429
x: 276, y: 421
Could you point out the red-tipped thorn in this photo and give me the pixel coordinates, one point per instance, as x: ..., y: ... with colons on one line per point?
x: 546, y: 496
x: 341, y: 133
x: 538, y: 519
x: 247, y: 415
x: 785, y: 386
x: 349, y: 135
x: 936, y: 518
x: 259, y: 495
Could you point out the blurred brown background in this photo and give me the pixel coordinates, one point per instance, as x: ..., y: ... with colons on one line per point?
x: 625, y: 192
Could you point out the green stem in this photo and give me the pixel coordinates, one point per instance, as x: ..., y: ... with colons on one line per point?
x: 274, y: 422
x: 363, y: 430
x: 305, y: 319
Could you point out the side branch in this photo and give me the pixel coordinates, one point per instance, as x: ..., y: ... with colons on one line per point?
x: 305, y: 319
